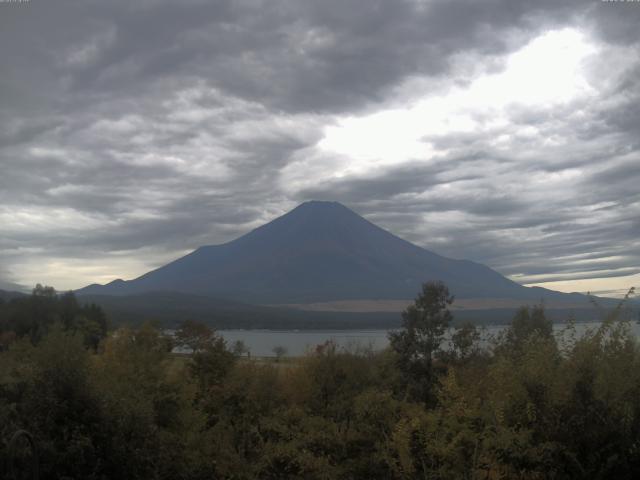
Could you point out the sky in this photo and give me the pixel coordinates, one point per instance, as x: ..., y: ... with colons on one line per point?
x: 503, y: 131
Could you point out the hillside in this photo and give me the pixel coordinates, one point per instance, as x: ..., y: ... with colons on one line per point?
x: 8, y: 295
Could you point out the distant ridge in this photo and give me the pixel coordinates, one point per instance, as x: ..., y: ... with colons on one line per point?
x: 321, y: 252
x: 8, y: 295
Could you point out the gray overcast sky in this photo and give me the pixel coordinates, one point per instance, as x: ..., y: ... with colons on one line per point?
x: 505, y: 132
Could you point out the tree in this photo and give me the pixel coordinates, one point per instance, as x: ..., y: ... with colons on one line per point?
x: 50, y: 396
x: 240, y: 348
x: 147, y: 402
x: 44, y: 291
x: 211, y: 363
x: 465, y: 341
x: 194, y: 335
x: 424, y: 325
x: 35, y: 315
x: 279, y: 351
x: 92, y: 322
x: 527, y: 321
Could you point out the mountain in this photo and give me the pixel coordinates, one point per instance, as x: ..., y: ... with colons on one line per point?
x: 9, y: 295
x: 321, y: 252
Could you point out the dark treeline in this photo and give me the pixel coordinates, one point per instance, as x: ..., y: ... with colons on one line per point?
x: 529, y: 407
x: 33, y: 316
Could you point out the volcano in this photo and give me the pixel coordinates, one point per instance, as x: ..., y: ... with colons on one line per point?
x: 321, y: 252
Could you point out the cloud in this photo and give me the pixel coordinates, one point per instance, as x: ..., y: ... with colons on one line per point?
x: 131, y: 133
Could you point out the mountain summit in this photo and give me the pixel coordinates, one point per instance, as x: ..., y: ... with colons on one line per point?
x: 318, y: 252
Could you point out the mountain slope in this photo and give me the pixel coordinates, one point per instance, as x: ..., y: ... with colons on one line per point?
x: 9, y: 295
x: 320, y: 251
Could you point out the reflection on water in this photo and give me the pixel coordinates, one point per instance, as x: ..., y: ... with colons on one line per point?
x: 262, y: 342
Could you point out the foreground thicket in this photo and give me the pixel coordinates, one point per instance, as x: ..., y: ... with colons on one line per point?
x: 529, y: 406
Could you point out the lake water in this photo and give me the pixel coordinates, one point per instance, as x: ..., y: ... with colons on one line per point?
x: 297, y: 342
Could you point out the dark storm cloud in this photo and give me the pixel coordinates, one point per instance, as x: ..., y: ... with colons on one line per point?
x: 125, y: 125
x: 299, y: 56
x: 617, y: 24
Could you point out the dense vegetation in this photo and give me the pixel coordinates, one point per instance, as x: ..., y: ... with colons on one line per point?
x: 122, y: 405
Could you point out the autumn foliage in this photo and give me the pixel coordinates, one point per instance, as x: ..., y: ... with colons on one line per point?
x: 526, y: 405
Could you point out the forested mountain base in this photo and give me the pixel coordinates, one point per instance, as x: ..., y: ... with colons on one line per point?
x: 528, y: 407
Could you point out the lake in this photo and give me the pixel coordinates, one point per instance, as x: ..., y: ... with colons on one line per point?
x: 296, y: 342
